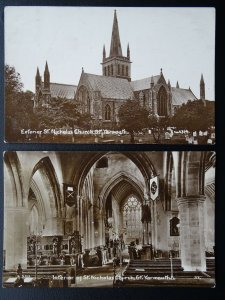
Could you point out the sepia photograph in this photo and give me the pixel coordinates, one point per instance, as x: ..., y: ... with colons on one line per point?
x: 109, y: 75
x: 109, y: 219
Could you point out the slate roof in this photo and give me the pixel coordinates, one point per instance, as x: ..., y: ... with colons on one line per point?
x: 144, y: 84
x: 110, y: 87
x: 62, y: 90
x: 180, y: 96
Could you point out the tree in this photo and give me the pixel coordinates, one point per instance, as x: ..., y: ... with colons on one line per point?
x: 195, y: 116
x: 69, y: 114
x: 63, y: 113
x: 13, y: 84
x: 133, y: 117
x: 158, y: 126
x: 18, y: 105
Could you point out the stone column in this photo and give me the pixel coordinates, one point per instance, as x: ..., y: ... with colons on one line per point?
x: 16, y: 231
x: 146, y: 233
x: 152, y: 240
x: 155, y: 225
x: 192, y: 242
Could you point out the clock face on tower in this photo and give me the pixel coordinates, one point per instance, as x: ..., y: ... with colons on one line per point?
x: 153, y: 188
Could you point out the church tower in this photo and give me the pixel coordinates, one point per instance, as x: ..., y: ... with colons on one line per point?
x: 46, y: 77
x: 116, y: 65
x: 202, y: 88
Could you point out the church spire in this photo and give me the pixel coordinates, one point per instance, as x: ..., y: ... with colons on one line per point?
x: 103, y: 53
x: 46, y: 68
x: 177, y: 86
x: 38, y: 73
x: 115, y: 48
x: 152, y: 82
x: 128, y: 51
x: 46, y: 77
x: 202, y: 88
x: 38, y: 79
x: 169, y: 85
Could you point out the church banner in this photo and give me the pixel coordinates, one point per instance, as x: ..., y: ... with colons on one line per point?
x: 70, y: 195
x: 154, y: 188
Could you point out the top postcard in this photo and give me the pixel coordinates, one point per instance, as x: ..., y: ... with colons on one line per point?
x: 122, y: 75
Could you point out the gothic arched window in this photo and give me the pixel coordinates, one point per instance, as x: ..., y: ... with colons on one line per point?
x: 132, y: 218
x: 111, y: 69
x: 107, y: 112
x: 105, y: 71
x: 126, y: 70
x: 162, y: 102
x: 84, y: 100
x: 118, y: 69
x: 142, y: 99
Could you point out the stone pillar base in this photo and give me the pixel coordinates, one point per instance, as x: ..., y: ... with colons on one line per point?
x: 147, y: 252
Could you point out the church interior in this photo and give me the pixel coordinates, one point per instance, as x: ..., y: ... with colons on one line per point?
x: 81, y: 219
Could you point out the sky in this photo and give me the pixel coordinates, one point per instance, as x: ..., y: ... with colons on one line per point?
x: 181, y: 41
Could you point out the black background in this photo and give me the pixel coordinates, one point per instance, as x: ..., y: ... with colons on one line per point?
x: 131, y: 293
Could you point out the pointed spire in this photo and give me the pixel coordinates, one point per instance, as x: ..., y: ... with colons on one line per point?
x: 46, y: 77
x: 82, y: 70
x: 38, y: 73
x: 152, y: 82
x: 115, y: 48
x: 169, y: 85
x: 202, y: 79
x: 161, y: 71
x: 104, y: 53
x: 38, y: 79
x: 46, y: 67
x: 202, y: 88
x: 128, y: 51
x: 177, y: 86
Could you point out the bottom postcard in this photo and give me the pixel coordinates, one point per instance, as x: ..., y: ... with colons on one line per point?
x: 109, y: 219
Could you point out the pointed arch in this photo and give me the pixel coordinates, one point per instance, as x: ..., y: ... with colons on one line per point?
x: 162, y: 107
x: 141, y: 160
x: 49, y: 175
x: 107, y: 112
x: 14, y: 169
x: 116, y: 179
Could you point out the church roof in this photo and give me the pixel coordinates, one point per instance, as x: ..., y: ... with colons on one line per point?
x: 62, y: 90
x: 110, y: 87
x: 144, y: 84
x: 180, y: 96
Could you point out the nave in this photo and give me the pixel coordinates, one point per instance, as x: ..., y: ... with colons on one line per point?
x: 135, y: 213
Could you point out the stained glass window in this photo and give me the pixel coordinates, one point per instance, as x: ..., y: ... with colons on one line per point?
x: 132, y: 218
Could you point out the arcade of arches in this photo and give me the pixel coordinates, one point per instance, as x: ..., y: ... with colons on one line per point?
x: 93, y: 198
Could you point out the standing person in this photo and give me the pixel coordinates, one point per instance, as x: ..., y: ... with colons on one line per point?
x: 19, y: 270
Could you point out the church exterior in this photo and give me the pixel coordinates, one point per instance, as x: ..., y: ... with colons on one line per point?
x: 102, y: 95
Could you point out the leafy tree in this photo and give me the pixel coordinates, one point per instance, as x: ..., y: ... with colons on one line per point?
x: 68, y: 114
x: 158, y: 126
x: 18, y: 105
x: 133, y: 117
x: 195, y: 115
x: 63, y: 113
x: 13, y: 84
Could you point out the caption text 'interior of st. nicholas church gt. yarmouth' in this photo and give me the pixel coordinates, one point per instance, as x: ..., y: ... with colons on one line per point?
x: 81, y: 219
